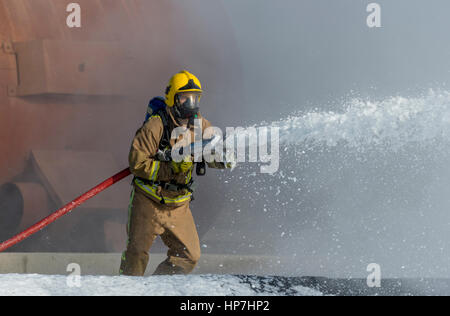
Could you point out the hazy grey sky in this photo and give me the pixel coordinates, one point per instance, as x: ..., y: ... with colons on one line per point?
x: 298, y: 51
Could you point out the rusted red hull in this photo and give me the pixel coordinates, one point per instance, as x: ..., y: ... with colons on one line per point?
x: 86, y: 89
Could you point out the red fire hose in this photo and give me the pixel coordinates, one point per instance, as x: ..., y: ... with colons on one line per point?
x: 65, y: 209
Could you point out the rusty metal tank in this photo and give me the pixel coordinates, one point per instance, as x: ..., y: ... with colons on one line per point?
x: 72, y: 98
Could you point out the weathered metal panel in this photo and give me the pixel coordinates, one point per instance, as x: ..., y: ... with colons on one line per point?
x: 35, y: 203
x: 8, y: 77
x: 67, y: 174
x: 75, y: 67
x: 109, y: 20
x: 163, y: 39
x: 7, y: 61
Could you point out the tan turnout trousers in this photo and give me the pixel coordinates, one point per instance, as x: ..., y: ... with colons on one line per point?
x: 175, y: 224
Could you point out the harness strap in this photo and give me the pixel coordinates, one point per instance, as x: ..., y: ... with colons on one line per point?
x: 165, y: 140
x: 170, y: 186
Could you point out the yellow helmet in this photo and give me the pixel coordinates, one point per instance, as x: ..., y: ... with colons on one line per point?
x: 183, y: 81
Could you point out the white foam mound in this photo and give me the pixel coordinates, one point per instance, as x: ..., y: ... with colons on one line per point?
x: 179, y: 285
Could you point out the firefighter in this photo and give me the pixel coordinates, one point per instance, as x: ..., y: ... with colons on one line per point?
x: 162, y: 190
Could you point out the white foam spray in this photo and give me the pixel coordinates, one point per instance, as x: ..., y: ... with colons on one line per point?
x: 363, y: 124
x: 367, y: 183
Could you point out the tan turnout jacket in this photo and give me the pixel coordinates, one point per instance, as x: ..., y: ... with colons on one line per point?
x: 144, y: 147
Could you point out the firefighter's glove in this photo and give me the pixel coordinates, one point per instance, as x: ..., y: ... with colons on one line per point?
x: 230, y: 165
x: 230, y: 160
x: 183, y: 166
x: 187, y: 164
x: 175, y: 167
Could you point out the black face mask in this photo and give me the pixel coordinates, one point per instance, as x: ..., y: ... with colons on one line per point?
x: 189, y: 109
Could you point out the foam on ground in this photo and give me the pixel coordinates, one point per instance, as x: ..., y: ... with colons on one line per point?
x: 179, y: 285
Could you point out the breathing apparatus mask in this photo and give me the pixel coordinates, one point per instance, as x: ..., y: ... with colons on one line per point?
x: 187, y: 105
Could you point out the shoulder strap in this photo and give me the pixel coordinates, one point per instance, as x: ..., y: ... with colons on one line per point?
x: 165, y: 139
